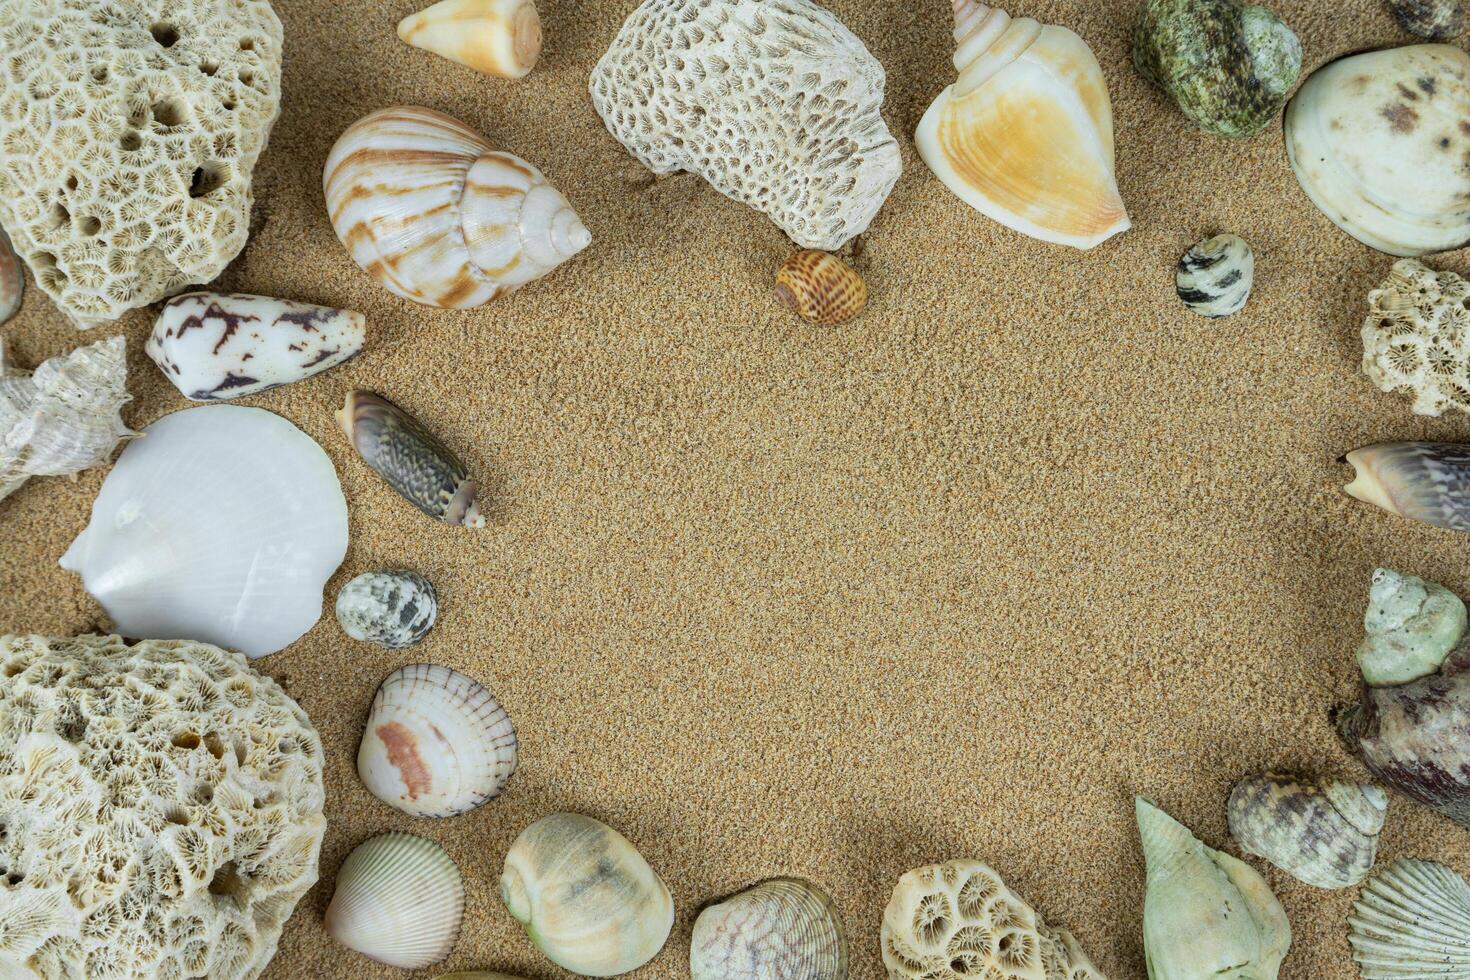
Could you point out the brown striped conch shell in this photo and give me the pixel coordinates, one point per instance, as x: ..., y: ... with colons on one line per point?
x: 438, y: 215
x: 1025, y: 134
x: 496, y: 37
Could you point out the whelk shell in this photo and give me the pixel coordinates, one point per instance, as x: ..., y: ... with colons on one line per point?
x: 1412, y: 920
x: 496, y: 37
x: 1323, y: 833
x: 222, y: 525
x: 393, y: 609
x: 586, y: 897
x: 423, y: 470
x: 1025, y: 135
x: 438, y: 215
x: 782, y: 928
x: 399, y: 900
x: 821, y: 288
x: 1378, y: 142
x: 436, y: 744
x: 1423, y: 481
x: 1214, y: 278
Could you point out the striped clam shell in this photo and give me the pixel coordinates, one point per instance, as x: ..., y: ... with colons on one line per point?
x: 1214, y: 278
x: 783, y: 927
x: 1412, y: 920
x: 438, y: 215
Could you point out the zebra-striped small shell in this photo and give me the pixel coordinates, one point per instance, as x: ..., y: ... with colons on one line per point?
x: 1214, y: 277
x: 438, y: 215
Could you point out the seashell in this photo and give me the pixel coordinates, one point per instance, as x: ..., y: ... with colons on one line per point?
x: 438, y: 215
x: 1025, y: 136
x: 1228, y: 66
x: 437, y: 744
x: 12, y: 280
x: 1423, y: 481
x: 476, y: 975
x: 1377, y: 141
x: 1411, y: 725
x: 496, y: 37
x: 216, y: 346
x: 959, y: 921
x: 1416, y: 338
x: 774, y: 102
x: 1435, y: 20
x: 422, y: 469
x: 1205, y: 913
x: 64, y: 418
x: 1323, y: 833
x: 821, y: 288
x: 221, y: 526
x: 586, y: 897
x: 1214, y: 278
x: 393, y: 609
x: 399, y: 900
x: 1412, y: 920
x: 782, y: 928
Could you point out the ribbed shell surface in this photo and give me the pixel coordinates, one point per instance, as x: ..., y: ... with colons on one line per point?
x: 1325, y: 834
x: 783, y: 929
x: 399, y: 900
x: 1412, y: 920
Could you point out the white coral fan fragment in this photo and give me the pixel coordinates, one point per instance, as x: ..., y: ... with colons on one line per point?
x: 64, y: 418
x: 160, y: 810
x: 129, y: 130
x: 1417, y: 337
x: 774, y: 102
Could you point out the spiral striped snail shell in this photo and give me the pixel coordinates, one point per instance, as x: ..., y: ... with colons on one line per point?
x: 438, y: 215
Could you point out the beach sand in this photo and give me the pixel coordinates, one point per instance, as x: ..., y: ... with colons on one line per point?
x: 956, y: 579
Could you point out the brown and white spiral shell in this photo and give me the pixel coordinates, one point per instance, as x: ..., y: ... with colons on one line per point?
x: 438, y: 215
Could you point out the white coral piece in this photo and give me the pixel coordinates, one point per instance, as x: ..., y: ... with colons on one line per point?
x: 129, y: 130
x: 64, y: 418
x: 1417, y: 337
x: 160, y: 810
x: 774, y: 102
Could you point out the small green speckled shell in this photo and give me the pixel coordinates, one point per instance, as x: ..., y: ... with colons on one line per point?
x: 1228, y: 66
x: 422, y: 469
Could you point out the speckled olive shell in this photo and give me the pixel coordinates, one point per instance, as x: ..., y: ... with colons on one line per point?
x: 1436, y: 20
x: 393, y: 609
x: 821, y: 288
x: 1228, y: 66
x: 1214, y: 278
x: 423, y: 470
x: 1322, y: 833
x: 784, y: 927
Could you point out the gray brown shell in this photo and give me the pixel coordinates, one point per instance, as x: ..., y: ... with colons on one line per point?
x: 785, y: 927
x: 1412, y: 920
x: 12, y: 280
x: 393, y: 609
x: 1423, y: 481
x: 423, y: 470
x: 1436, y: 20
x: 1214, y: 278
x: 1322, y: 833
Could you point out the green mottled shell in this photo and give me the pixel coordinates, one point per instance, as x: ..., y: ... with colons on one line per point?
x: 1229, y: 67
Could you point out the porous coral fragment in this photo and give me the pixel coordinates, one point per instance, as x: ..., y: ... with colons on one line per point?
x: 129, y: 130
x: 150, y: 826
x: 1416, y: 338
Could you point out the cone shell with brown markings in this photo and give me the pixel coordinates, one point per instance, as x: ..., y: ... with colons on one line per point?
x: 1423, y: 481
x: 1025, y: 135
x: 495, y: 37
x: 438, y: 215
x: 821, y: 288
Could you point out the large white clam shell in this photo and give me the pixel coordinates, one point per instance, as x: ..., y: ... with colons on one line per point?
x: 783, y: 928
x: 437, y: 744
x: 438, y: 215
x: 1379, y: 141
x: 1412, y: 920
x: 221, y: 526
x: 399, y: 900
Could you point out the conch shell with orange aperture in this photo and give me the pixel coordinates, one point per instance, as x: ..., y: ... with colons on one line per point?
x: 1025, y: 135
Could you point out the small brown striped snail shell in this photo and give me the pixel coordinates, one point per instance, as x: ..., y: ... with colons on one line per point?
x: 821, y: 288
x: 438, y: 215
x: 422, y: 469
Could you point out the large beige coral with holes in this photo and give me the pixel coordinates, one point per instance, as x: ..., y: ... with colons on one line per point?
x: 959, y: 921
x: 1416, y: 339
x: 774, y: 102
x: 160, y: 810
x: 129, y: 130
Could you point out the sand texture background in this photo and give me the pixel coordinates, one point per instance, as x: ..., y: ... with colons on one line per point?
x: 957, y: 579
